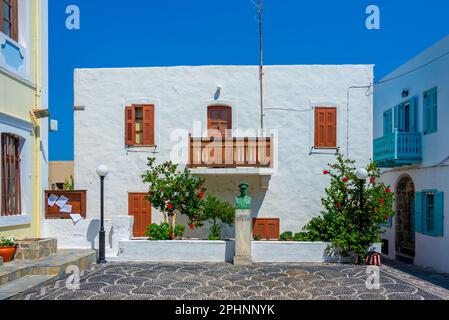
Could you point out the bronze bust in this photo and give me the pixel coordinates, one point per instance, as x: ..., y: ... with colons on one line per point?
x: 243, y: 201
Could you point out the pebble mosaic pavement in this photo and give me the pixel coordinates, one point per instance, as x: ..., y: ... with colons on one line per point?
x: 147, y: 281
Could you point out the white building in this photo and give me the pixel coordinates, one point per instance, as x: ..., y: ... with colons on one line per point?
x: 164, y: 106
x: 411, y: 108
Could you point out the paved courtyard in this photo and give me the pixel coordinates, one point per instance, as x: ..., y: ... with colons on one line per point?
x: 144, y: 281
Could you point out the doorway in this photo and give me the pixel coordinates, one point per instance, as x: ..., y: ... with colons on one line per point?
x: 140, y: 208
x: 405, y: 219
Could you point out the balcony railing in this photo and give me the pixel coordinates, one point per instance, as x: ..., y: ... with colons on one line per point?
x: 230, y: 152
x: 398, y: 149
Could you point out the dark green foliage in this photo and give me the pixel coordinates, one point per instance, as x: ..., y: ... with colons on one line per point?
x: 350, y: 228
x: 217, y: 213
x: 164, y: 231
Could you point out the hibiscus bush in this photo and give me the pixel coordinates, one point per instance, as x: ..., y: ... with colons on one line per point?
x: 349, y: 227
x: 174, y: 192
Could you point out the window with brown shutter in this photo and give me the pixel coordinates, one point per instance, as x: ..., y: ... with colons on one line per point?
x: 266, y: 229
x: 219, y: 121
x: 10, y: 175
x: 325, y: 127
x: 9, y: 18
x: 139, y: 125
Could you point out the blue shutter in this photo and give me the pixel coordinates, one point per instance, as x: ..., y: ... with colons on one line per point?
x: 434, y: 107
x: 419, y: 211
x: 413, y: 114
x: 396, y: 118
x: 439, y: 214
x: 388, y: 122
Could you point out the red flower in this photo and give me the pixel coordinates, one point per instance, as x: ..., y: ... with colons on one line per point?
x: 201, y: 195
x: 387, y: 218
x: 388, y: 190
x: 338, y: 205
x: 326, y: 172
x: 191, y: 226
x: 382, y: 201
x: 171, y: 234
x: 344, y: 179
x: 169, y: 206
x: 372, y: 180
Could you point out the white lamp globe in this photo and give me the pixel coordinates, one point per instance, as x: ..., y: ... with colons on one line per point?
x: 102, y: 170
x: 361, y: 174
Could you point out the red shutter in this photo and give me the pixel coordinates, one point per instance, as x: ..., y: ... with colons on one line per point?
x: 148, y: 125
x: 325, y: 127
x: 14, y: 20
x: 266, y: 228
x: 130, y: 126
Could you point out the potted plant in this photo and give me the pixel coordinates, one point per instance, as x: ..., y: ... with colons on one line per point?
x: 7, y: 248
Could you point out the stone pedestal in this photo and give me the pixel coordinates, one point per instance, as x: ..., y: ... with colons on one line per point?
x: 243, y: 237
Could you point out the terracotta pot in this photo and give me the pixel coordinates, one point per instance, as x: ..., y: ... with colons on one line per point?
x: 7, y: 253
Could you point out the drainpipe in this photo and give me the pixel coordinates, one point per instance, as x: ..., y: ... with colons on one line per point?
x: 261, y: 69
x: 37, y: 142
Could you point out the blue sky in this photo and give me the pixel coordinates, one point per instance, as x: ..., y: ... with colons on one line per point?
x: 222, y: 32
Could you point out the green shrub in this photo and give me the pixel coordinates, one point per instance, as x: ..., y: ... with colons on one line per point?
x: 256, y: 237
x: 286, y: 236
x: 163, y: 231
x: 350, y: 228
x: 217, y: 213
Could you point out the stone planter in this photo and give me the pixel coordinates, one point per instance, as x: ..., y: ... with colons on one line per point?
x: 176, y: 251
x: 35, y: 249
x: 7, y: 253
x: 295, y: 252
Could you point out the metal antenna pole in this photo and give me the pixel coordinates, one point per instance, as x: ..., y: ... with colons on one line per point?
x: 261, y: 70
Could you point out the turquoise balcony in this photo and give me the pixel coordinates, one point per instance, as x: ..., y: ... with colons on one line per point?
x: 398, y: 149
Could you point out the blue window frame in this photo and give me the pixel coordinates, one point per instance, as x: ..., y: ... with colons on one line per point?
x: 430, y: 112
x: 429, y: 209
x: 388, y: 122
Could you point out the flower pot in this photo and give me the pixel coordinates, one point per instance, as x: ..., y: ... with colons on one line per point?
x: 7, y: 253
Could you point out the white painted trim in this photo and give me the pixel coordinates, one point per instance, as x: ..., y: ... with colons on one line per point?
x: 340, y: 127
x: 15, y: 122
x: 219, y: 102
x: 13, y: 221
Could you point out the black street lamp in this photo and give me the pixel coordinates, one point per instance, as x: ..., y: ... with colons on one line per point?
x: 102, y: 172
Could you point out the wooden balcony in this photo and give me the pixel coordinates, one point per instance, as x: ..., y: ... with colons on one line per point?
x: 398, y: 149
x: 230, y: 152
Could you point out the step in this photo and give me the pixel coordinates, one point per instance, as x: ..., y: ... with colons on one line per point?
x: 23, y: 284
x: 404, y: 258
x: 55, y: 265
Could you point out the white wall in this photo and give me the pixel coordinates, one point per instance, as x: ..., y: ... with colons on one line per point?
x: 430, y: 251
x: 180, y: 93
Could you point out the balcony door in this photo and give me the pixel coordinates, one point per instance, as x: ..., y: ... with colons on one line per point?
x: 405, y: 116
x: 219, y: 121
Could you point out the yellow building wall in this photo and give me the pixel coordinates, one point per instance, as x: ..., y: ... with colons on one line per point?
x: 17, y: 99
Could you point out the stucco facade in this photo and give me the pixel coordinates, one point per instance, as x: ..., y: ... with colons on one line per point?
x: 291, y: 190
x: 24, y: 87
x: 429, y: 70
